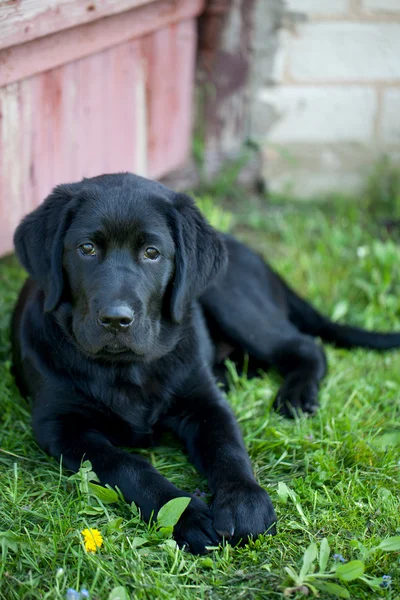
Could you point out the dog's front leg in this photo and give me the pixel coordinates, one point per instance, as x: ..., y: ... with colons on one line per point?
x: 205, y: 423
x: 74, y: 437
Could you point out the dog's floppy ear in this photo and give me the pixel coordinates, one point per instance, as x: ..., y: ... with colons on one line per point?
x: 39, y: 239
x: 200, y: 255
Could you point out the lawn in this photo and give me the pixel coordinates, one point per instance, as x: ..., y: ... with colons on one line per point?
x: 334, y: 476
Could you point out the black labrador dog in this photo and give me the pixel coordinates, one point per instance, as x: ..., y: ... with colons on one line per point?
x: 133, y: 299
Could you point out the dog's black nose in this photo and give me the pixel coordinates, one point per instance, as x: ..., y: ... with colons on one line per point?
x: 116, y: 317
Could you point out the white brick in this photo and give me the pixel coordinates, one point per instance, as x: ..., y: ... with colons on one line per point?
x: 391, y: 116
x: 307, y: 170
x: 318, y: 7
x: 309, y: 184
x: 345, y: 51
x: 381, y: 5
x: 320, y: 114
x: 281, y: 56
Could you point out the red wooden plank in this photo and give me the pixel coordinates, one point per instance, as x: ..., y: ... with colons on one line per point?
x: 169, y: 99
x: 184, y: 59
x: 42, y: 54
x: 24, y: 20
x: 122, y: 76
x: 10, y: 166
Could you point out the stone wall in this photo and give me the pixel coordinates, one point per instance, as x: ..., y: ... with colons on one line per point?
x: 332, y: 104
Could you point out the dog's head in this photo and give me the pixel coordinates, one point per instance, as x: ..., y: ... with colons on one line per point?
x: 120, y: 260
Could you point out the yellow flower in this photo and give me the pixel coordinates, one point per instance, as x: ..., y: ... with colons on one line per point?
x: 92, y: 539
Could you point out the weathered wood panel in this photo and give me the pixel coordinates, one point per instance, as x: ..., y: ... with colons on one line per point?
x: 168, y: 98
x: 24, y: 60
x: 126, y: 108
x: 25, y: 20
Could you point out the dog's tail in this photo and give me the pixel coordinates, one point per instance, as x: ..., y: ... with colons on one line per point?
x: 308, y: 320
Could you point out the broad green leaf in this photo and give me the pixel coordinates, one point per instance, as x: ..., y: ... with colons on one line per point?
x: 292, y: 574
x: 11, y: 540
x: 362, y: 549
x: 106, y: 494
x: 384, y: 494
x: 118, y: 593
x: 170, y: 513
x: 373, y: 582
x: 324, y: 553
x: 85, y: 473
x: 390, y: 544
x: 332, y: 588
x: 283, y: 492
x: 311, y: 587
x: 341, y: 309
x: 391, y: 438
x: 137, y: 542
x: 89, y: 476
x: 114, y: 525
x: 169, y: 544
x: 207, y: 563
x: 91, y: 510
x: 351, y: 570
x: 8, y: 545
x: 10, y: 535
x: 165, y: 532
x: 309, y: 557
x: 86, y: 466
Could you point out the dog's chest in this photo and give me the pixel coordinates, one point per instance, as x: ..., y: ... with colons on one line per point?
x: 134, y: 404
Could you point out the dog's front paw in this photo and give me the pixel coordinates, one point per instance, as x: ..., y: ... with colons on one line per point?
x: 243, y: 511
x: 297, y: 397
x: 194, y: 530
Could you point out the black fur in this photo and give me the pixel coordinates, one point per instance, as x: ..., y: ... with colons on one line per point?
x: 97, y: 387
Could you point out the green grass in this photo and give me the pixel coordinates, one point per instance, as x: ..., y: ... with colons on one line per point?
x: 341, y: 467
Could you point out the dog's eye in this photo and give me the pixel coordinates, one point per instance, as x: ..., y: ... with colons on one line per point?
x: 87, y: 249
x: 151, y: 253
